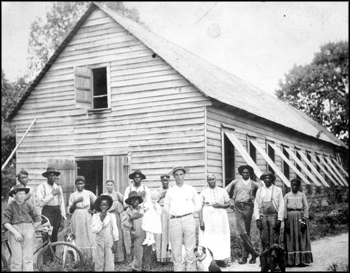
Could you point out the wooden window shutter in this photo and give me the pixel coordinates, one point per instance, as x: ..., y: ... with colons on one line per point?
x: 83, y: 88
x: 117, y: 169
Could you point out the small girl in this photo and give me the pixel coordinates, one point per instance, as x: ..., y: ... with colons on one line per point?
x: 152, y: 222
x: 105, y: 226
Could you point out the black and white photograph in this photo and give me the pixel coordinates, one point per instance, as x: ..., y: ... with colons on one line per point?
x: 175, y: 136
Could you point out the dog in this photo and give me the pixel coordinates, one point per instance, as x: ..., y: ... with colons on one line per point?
x: 205, y: 259
x: 272, y: 259
x: 69, y: 238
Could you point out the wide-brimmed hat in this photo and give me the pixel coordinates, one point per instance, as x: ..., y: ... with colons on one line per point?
x: 80, y: 178
x: 132, y: 195
x: 100, y: 199
x: 132, y: 175
x: 241, y: 168
x: 22, y: 172
x: 165, y: 175
x: 18, y: 188
x: 262, y: 177
x: 180, y: 167
x: 51, y: 170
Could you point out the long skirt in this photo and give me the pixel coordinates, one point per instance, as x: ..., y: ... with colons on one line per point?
x: 297, y: 243
x: 120, y: 253
x: 216, y: 235
x: 81, y: 226
x: 162, y: 240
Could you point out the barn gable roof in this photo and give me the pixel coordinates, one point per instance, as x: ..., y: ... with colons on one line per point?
x: 211, y: 80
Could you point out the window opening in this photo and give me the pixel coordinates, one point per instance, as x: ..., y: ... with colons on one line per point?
x: 100, y: 88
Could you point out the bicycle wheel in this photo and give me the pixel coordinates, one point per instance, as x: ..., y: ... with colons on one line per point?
x: 4, y: 264
x: 60, y: 256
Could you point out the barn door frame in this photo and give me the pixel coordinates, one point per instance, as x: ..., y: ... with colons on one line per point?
x: 67, y: 169
x: 117, y: 168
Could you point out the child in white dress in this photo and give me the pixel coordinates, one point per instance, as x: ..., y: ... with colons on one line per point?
x: 152, y: 223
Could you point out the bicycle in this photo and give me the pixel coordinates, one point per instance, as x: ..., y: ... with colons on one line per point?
x: 57, y: 256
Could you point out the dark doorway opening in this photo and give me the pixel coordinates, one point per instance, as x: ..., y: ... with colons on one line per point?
x: 92, y: 170
x: 229, y: 161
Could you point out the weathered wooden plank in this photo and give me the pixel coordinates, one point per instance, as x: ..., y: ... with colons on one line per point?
x: 153, y: 94
x: 161, y: 99
x: 147, y: 73
x: 136, y: 127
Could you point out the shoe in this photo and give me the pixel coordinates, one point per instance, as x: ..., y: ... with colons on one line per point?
x: 243, y: 261
x: 253, y: 259
x: 145, y: 242
x: 221, y: 263
x: 151, y: 242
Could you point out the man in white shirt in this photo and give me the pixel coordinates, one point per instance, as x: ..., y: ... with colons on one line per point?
x: 50, y: 199
x: 181, y: 201
x: 269, y: 210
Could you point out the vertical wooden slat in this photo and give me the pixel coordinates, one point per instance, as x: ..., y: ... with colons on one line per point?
x: 117, y: 169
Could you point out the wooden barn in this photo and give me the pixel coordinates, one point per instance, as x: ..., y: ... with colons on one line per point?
x: 115, y: 97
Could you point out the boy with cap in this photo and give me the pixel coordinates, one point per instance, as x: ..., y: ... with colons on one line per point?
x: 133, y: 220
x: 22, y: 178
x: 21, y: 219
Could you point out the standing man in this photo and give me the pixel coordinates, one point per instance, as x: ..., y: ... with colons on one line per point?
x: 214, y: 224
x: 137, y: 176
x: 268, y: 210
x: 181, y: 201
x: 22, y: 178
x: 50, y: 199
x: 162, y: 240
x: 242, y: 191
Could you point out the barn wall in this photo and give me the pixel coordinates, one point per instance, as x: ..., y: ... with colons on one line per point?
x: 156, y: 116
x: 246, y: 125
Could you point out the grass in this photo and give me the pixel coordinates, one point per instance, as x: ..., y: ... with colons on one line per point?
x: 334, y: 267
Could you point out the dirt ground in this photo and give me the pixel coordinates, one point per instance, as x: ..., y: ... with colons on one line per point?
x: 326, y: 251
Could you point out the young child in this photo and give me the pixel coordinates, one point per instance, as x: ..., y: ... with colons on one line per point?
x: 152, y: 222
x: 21, y: 219
x: 133, y: 220
x: 105, y: 226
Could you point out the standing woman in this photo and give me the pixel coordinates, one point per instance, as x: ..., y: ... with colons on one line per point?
x: 80, y: 202
x: 117, y: 209
x: 296, y: 234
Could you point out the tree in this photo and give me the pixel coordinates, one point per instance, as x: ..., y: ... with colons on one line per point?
x: 10, y: 95
x: 46, y: 36
x: 320, y: 88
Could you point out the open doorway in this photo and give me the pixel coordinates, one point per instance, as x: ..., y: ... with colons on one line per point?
x: 229, y: 152
x: 92, y: 170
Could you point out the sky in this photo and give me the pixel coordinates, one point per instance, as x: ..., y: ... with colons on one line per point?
x: 258, y: 42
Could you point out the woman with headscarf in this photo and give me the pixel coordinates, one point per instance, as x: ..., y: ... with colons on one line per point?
x: 296, y: 230
x: 79, y: 206
x: 117, y: 209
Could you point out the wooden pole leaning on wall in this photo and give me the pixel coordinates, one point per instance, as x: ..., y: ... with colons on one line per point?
x: 19, y: 143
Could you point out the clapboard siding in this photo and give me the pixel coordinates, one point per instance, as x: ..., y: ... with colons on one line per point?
x: 156, y: 115
x: 244, y: 126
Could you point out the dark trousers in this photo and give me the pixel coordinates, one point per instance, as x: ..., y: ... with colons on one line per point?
x: 244, y: 213
x: 54, y: 215
x: 268, y: 235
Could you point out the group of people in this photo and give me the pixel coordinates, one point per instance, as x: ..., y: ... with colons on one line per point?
x: 161, y: 220
x: 270, y: 209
